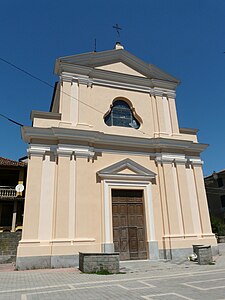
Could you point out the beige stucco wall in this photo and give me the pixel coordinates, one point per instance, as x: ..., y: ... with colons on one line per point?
x: 68, y: 206
x: 73, y: 206
x: 84, y: 107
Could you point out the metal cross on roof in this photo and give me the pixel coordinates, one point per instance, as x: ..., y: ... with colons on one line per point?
x: 117, y: 29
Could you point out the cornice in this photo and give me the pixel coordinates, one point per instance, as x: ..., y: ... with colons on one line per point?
x: 78, y: 71
x: 126, y: 177
x: 89, y: 82
x: 188, y: 130
x: 44, y: 115
x: 96, y: 59
x: 57, y: 134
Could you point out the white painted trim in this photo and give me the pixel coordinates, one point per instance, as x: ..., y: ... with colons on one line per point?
x: 195, y: 160
x: 99, y: 138
x: 149, y: 214
x: 89, y: 82
x: 78, y: 151
x: 107, y: 219
x: 72, y: 199
x: 150, y: 220
x: 169, y: 158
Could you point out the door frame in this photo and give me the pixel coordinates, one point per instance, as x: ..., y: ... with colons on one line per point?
x: 128, y: 226
x: 146, y: 186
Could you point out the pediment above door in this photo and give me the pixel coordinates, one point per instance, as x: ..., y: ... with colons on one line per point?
x: 126, y: 169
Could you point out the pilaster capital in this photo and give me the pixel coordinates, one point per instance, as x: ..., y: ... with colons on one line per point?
x: 85, y: 80
x: 195, y: 161
x: 180, y: 160
x: 40, y: 150
x: 170, y: 158
x: 163, y: 92
x: 77, y: 151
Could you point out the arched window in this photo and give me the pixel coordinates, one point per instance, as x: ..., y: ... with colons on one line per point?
x: 121, y: 115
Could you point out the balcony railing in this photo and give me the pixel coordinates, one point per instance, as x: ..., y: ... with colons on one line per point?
x: 7, y: 192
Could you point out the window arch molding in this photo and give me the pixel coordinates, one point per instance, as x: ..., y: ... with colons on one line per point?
x: 122, y: 113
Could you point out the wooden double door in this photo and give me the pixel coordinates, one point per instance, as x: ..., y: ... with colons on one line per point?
x: 129, y: 236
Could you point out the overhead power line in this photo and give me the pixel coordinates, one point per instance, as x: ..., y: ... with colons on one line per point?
x: 25, y: 72
x: 11, y: 120
x: 51, y: 86
x: 48, y: 84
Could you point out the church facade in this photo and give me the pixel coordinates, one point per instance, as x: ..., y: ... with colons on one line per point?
x: 109, y: 168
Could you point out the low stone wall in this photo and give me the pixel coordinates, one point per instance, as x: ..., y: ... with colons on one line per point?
x: 99, y: 262
x: 8, y: 246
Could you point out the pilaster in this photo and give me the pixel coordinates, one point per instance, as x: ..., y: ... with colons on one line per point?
x: 61, y: 222
x: 175, y: 224
x: 173, y: 115
x: 164, y: 118
x: 155, y: 115
x: 160, y: 112
x: 47, y: 196
x: 185, y: 202
x: 33, y: 191
x: 74, y: 103
x: 201, y: 197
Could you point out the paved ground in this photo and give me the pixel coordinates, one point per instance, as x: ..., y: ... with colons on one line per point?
x: 142, y: 280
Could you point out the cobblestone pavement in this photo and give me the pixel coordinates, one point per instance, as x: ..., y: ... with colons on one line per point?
x: 138, y: 280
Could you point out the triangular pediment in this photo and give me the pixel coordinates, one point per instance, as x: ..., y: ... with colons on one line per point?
x: 128, y: 169
x: 120, y: 67
x: 112, y: 60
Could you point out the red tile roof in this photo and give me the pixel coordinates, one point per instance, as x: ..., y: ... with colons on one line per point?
x: 11, y: 163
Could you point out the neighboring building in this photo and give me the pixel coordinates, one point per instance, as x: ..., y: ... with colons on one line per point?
x: 215, y: 190
x: 109, y: 168
x: 12, y: 173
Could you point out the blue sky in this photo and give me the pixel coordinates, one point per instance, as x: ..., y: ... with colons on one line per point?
x: 185, y: 38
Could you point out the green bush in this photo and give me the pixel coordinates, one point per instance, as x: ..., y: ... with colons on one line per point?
x: 218, y: 227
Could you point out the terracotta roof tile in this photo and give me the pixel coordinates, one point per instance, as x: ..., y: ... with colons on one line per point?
x: 11, y: 163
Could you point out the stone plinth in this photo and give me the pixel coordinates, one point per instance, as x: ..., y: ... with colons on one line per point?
x: 204, y: 254
x: 97, y: 262
x: 195, y: 248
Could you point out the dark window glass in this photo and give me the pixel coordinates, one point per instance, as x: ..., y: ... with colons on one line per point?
x: 222, y: 198
x: 121, y: 115
x: 220, y: 182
